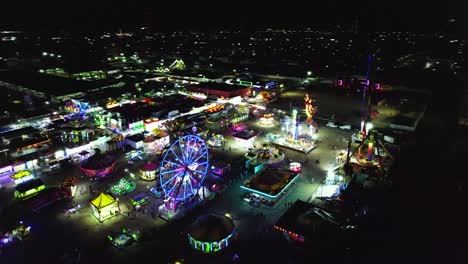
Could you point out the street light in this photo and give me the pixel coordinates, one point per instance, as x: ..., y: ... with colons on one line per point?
x: 369, y: 126
x: 309, y: 73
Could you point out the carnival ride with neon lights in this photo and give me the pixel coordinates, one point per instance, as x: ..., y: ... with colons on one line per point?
x: 212, y: 233
x: 371, y: 160
x: 269, y: 185
x: 77, y: 137
x: 122, y: 187
x: 69, y: 185
x: 98, y: 165
x: 76, y: 108
x: 296, y: 135
x: 125, y: 239
x: 310, y: 110
x: 216, y: 140
x: 20, y: 233
x: 183, y: 171
x: 148, y: 171
x: 267, y: 120
x: 239, y: 127
x: 266, y: 154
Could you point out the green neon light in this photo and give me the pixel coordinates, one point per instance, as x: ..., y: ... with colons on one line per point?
x: 240, y: 118
x: 266, y: 194
x: 123, y: 186
x: 245, y: 83
x: 208, y: 247
x: 140, y: 202
x: 29, y: 193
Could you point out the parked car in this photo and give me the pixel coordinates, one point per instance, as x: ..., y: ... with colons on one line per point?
x: 331, y: 124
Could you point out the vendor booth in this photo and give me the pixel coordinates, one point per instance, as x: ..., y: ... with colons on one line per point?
x: 28, y: 189
x: 104, y: 207
x: 22, y: 176
x: 148, y: 171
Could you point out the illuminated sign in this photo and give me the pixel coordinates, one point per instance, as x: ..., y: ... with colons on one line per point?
x: 245, y: 83
x: 136, y: 126
x: 23, y: 179
x: 240, y: 118
x: 22, y: 176
x: 295, y: 166
x: 6, y: 169
x: 112, y: 104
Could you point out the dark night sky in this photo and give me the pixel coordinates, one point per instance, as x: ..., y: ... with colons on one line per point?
x: 168, y: 15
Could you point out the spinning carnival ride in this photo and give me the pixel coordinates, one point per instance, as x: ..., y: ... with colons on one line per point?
x: 310, y: 110
x: 298, y: 135
x: 369, y: 157
x: 183, y: 170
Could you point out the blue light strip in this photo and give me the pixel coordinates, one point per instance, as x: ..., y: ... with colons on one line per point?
x: 193, y: 155
x: 171, y: 179
x: 201, y: 172
x: 201, y: 156
x: 166, y: 172
x: 170, y: 162
x: 193, y: 242
x: 201, y: 149
x: 168, y: 193
x: 191, y: 187
x: 190, y: 150
x: 177, y: 157
x: 182, y: 151
x: 268, y: 195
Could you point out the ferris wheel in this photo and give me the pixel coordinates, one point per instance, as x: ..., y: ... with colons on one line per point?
x: 184, y: 167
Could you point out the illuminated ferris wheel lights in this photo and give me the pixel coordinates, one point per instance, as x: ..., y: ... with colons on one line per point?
x: 188, y: 164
